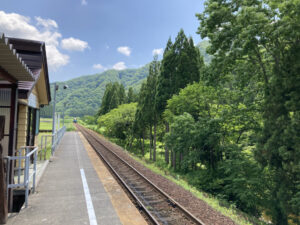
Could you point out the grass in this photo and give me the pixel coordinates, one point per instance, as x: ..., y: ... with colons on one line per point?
x: 46, y: 123
x: 70, y: 127
x: 48, y: 147
x: 92, y: 127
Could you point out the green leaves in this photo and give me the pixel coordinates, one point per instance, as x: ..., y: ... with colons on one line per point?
x: 114, y: 95
x: 256, y: 44
x: 119, y: 122
x: 146, y: 112
x: 180, y: 66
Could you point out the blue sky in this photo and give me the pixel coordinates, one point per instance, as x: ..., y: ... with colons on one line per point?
x: 89, y: 36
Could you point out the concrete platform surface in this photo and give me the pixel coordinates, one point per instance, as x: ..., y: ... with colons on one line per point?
x: 70, y: 191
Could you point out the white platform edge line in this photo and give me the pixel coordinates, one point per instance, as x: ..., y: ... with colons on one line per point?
x: 88, y: 199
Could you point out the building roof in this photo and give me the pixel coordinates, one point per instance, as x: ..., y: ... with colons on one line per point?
x: 12, y: 63
x: 17, y: 54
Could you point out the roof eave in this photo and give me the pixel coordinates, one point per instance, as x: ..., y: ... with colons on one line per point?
x: 12, y: 63
x: 46, y: 73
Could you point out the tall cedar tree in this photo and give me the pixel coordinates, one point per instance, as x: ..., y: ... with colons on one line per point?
x: 146, y: 113
x: 151, y: 85
x: 266, y: 34
x: 121, y: 94
x: 140, y: 123
x: 114, y: 96
x: 130, y: 95
x: 180, y: 66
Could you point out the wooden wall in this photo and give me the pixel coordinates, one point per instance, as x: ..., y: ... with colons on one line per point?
x: 22, y: 125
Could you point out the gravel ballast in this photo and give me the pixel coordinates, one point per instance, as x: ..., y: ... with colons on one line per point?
x: 196, y: 206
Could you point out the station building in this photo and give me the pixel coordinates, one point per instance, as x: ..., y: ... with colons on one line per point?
x: 24, y: 89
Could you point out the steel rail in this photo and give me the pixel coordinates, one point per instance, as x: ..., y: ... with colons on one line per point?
x: 122, y: 181
x: 174, y: 203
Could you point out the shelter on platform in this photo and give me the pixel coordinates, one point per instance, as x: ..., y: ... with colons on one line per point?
x: 24, y: 88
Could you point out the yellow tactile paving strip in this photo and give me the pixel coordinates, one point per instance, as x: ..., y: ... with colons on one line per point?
x: 125, y: 209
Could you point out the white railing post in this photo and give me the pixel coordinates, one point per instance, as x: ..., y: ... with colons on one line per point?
x: 34, y: 172
x: 11, y: 160
x: 7, y: 175
x: 26, y: 177
x: 19, y: 152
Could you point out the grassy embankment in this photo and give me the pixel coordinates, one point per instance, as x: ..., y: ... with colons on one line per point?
x: 164, y: 170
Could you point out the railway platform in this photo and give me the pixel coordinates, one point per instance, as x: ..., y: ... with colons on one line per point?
x: 76, y: 188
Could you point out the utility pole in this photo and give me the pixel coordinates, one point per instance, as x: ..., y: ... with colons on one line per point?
x: 53, y: 115
x: 64, y: 113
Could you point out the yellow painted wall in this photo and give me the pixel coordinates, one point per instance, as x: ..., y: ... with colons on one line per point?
x: 23, y: 120
x: 42, y: 88
x: 36, y: 93
x: 22, y: 125
x: 22, y: 128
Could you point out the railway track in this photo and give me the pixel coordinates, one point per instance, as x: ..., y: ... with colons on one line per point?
x: 159, y: 207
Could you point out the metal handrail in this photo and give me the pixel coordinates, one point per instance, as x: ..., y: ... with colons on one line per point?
x: 29, y: 151
x: 23, y: 155
x: 57, y: 138
x: 44, y: 144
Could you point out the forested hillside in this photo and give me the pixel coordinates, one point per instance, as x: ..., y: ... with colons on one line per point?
x: 84, y: 94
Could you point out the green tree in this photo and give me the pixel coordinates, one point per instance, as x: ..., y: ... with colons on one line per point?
x: 265, y: 35
x: 146, y: 113
x: 106, y: 99
x: 181, y: 140
x: 154, y: 70
x: 180, y: 66
x: 121, y: 94
x: 114, y: 95
x: 206, y: 106
x: 131, y: 95
x: 89, y: 119
x: 140, y: 122
x: 211, y: 126
x: 118, y: 122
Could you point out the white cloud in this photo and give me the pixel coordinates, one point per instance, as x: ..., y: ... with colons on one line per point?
x: 98, y: 66
x: 55, y: 58
x: 19, y: 26
x: 157, y: 51
x: 73, y: 44
x: 83, y: 2
x: 40, y: 29
x: 46, y: 23
x: 125, y: 50
x: 119, y: 66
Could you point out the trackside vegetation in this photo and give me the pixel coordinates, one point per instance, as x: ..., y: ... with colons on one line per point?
x: 228, y: 127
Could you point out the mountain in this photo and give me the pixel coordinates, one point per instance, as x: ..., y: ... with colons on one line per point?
x: 84, y: 94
